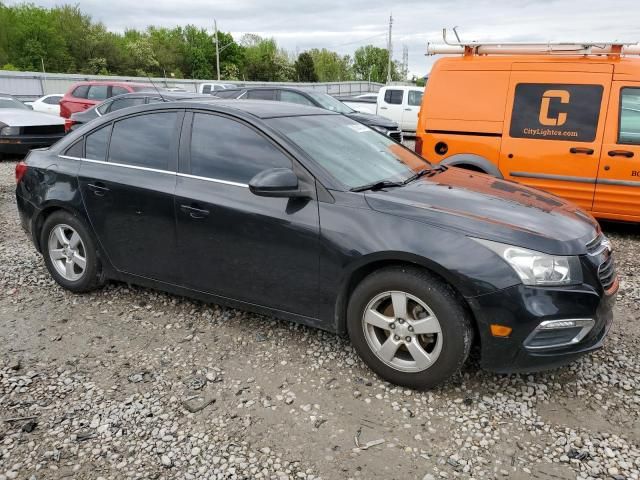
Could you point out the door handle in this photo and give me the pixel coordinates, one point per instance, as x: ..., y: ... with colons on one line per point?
x: 383, y: 108
x: 98, y: 189
x: 620, y: 153
x: 407, y: 109
x: 586, y: 151
x: 194, y: 212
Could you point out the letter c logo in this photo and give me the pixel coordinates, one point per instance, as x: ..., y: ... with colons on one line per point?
x: 544, y: 118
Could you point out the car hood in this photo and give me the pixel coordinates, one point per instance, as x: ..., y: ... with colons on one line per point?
x: 370, y: 119
x: 16, y: 117
x: 485, y: 207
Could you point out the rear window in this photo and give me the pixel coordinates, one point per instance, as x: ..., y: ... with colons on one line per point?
x: 81, y: 91
x: 629, y: 116
x: 262, y: 94
x: 121, y: 103
x: 556, y: 111
x: 115, y: 91
x: 54, y: 100
x: 228, y: 93
x: 415, y: 98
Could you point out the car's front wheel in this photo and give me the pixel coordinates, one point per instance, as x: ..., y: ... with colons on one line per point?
x: 409, y: 327
x: 69, y: 252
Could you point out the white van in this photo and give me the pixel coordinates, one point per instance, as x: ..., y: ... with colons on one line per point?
x: 397, y: 102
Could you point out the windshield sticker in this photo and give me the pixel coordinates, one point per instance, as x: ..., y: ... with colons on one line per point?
x: 356, y: 127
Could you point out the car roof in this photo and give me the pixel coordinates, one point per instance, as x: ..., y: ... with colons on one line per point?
x: 257, y: 108
x: 275, y: 87
x: 169, y: 96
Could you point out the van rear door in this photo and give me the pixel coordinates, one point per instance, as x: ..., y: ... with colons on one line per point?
x: 554, y: 123
x: 618, y: 188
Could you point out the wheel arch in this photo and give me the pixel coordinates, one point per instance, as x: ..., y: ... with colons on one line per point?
x: 46, y: 212
x: 373, y: 263
x: 473, y: 162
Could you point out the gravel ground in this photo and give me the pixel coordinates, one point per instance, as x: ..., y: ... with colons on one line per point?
x: 131, y: 383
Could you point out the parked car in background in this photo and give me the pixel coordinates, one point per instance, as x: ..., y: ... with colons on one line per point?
x: 315, y: 99
x: 84, y: 95
x: 123, y: 101
x: 301, y: 213
x: 48, y: 104
x: 210, y: 88
x: 566, y: 124
x: 398, y: 103
x: 22, y: 129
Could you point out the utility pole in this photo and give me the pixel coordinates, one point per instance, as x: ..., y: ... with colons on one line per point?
x: 389, y: 50
x: 405, y: 62
x: 215, y: 26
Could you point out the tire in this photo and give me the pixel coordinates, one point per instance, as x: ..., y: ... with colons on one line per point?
x: 434, y: 342
x: 84, y: 276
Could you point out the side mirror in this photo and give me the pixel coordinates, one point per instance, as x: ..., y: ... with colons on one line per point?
x: 276, y: 182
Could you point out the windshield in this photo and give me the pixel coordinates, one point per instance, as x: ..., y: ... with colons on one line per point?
x: 12, y: 103
x: 351, y: 152
x: 329, y: 103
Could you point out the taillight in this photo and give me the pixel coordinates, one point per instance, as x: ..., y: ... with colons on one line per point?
x: 21, y: 169
x: 418, y: 146
x: 67, y: 125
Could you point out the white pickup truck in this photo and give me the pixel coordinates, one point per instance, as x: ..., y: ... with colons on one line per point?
x: 396, y: 102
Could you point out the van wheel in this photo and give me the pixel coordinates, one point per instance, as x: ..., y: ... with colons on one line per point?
x: 409, y: 327
x: 69, y: 252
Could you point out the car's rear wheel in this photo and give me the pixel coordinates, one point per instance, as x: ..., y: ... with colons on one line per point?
x: 69, y: 252
x: 409, y: 327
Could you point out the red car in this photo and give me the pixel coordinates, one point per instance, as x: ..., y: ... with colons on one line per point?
x: 83, y: 95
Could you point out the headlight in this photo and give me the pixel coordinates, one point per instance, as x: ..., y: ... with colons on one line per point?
x: 536, y: 268
x: 379, y: 129
x: 10, y: 131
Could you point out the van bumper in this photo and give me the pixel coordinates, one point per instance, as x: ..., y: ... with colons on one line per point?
x: 550, y: 326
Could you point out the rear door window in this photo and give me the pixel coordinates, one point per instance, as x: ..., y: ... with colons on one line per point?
x: 393, y: 96
x: 115, y: 91
x: 629, y: 132
x: 224, y: 149
x: 98, y: 92
x: 54, y: 100
x: 144, y: 140
x: 96, y: 144
x: 81, y: 91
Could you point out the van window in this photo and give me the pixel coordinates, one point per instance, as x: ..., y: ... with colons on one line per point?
x: 144, y: 140
x: 224, y: 149
x: 629, y: 116
x: 554, y: 111
x: 415, y: 98
x: 394, y: 97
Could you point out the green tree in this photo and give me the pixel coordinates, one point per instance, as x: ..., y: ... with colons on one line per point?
x: 263, y: 61
x: 305, y: 68
x: 371, y: 63
x: 331, y: 67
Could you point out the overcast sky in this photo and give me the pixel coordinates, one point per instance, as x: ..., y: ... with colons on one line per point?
x: 344, y: 25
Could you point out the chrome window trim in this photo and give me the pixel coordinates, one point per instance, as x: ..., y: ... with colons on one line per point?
x: 155, y: 170
x: 215, y: 180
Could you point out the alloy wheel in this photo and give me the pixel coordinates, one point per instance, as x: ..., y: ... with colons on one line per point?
x: 67, y: 252
x: 402, y: 331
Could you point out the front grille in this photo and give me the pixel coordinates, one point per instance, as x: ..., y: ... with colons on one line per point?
x: 397, y: 135
x: 607, y: 273
x: 43, y: 130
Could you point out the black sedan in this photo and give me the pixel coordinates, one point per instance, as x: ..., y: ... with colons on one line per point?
x: 314, y: 99
x: 306, y: 215
x: 124, y: 101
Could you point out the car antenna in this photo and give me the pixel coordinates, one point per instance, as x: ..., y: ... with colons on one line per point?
x: 157, y: 89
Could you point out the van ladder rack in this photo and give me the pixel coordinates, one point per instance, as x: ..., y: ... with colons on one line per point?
x: 525, y: 48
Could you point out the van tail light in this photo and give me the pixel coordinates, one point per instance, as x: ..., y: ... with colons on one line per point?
x: 418, y: 145
x: 21, y: 169
x: 67, y: 125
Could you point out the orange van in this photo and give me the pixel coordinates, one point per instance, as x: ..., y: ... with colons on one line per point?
x: 565, y: 119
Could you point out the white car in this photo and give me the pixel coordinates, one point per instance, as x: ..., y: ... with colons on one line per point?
x: 47, y: 104
x: 209, y: 88
x: 396, y: 102
x: 22, y: 129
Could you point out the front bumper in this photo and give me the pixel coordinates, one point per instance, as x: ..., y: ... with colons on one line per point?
x: 524, y: 308
x: 21, y: 144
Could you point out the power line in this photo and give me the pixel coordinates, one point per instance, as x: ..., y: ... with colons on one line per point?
x: 357, y: 41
